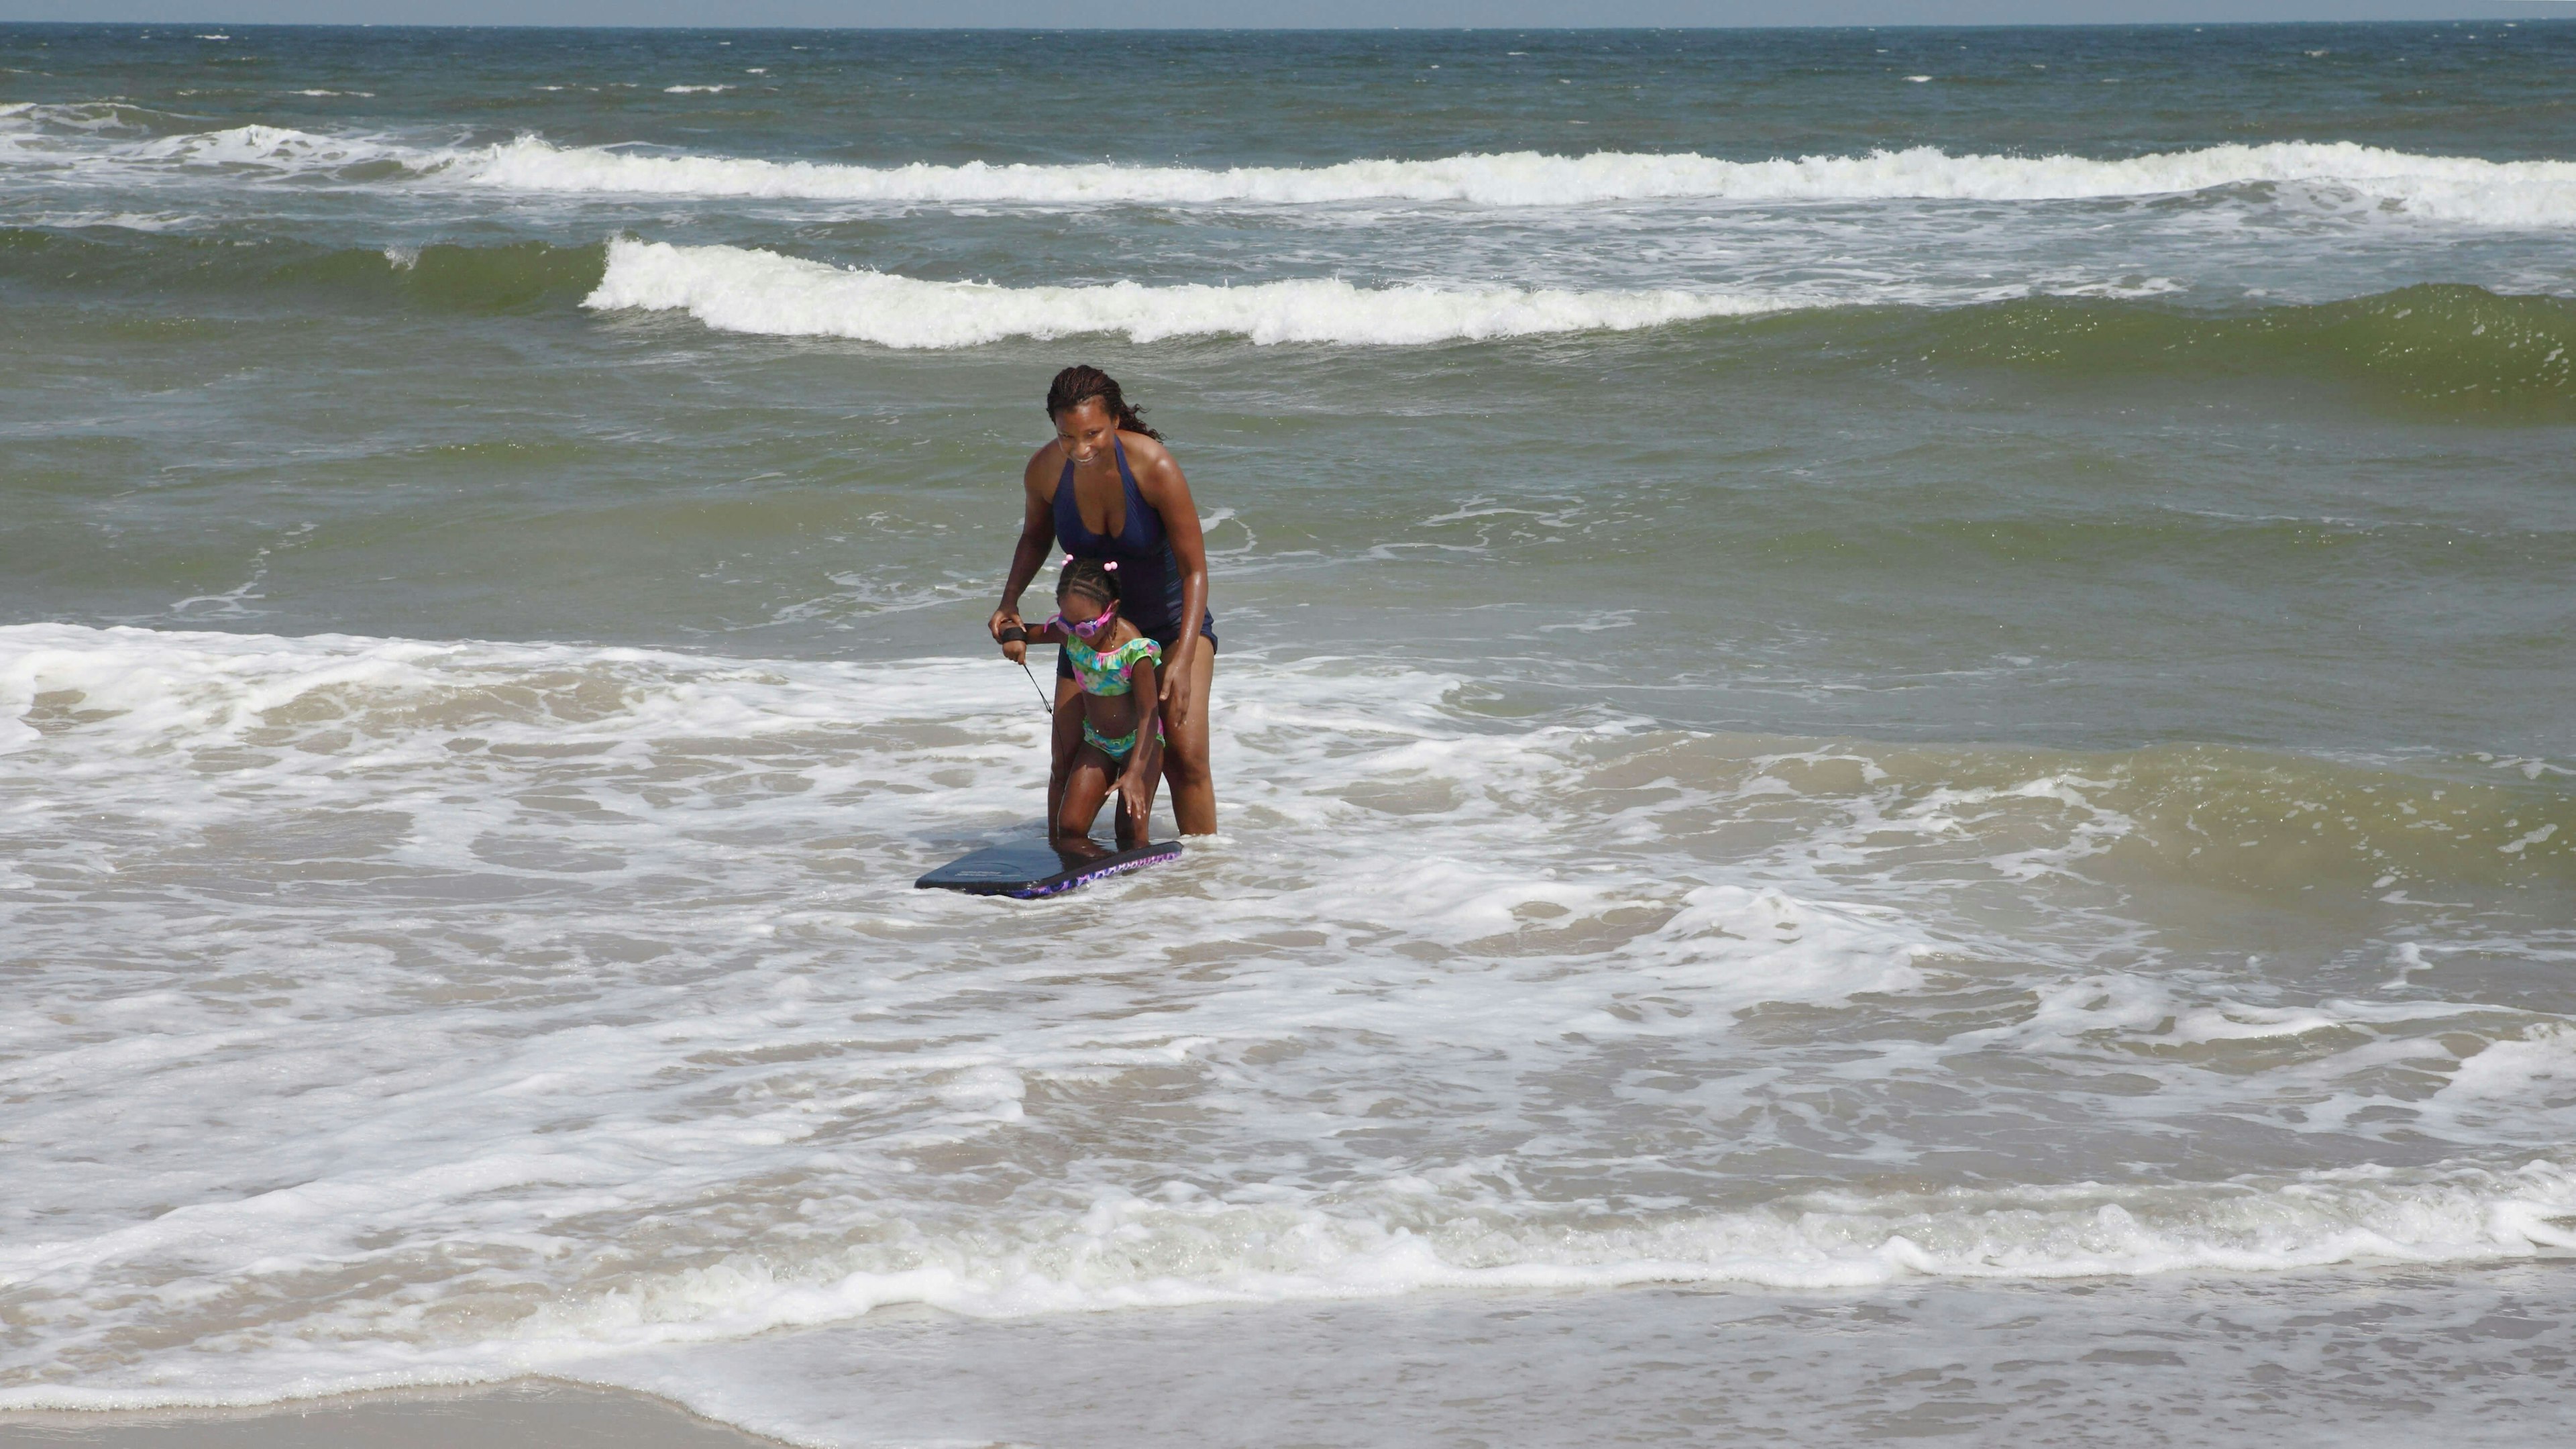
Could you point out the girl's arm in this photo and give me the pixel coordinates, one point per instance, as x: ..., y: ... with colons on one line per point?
x: 1016, y: 649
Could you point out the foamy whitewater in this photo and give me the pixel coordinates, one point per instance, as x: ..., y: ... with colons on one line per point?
x: 2449, y: 188
x: 734, y: 290
x: 2465, y: 189
x: 563, y: 949
x: 1894, y: 753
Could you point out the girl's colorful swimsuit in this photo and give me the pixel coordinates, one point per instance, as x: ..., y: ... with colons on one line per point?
x: 1109, y: 675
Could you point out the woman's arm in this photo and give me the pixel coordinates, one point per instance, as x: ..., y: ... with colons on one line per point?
x: 1162, y: 485
x: 1037, y: 537
x: 1144, y: 763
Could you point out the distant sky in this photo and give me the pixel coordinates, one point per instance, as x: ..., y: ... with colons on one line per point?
x: 1058, y: 14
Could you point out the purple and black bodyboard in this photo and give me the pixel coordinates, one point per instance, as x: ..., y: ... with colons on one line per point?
x: 1033, y: 869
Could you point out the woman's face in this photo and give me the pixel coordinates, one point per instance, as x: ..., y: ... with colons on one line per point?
x: 1086, y: 430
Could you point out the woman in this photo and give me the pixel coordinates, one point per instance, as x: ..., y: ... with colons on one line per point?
x: 1106, y: 489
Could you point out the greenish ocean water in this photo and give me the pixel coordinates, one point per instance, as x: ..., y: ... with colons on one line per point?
x: 1874, y: 676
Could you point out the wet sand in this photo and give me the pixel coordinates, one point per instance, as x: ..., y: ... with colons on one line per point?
x: 529, y: 1414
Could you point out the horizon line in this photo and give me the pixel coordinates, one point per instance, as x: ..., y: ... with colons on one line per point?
x: 2200, y: 25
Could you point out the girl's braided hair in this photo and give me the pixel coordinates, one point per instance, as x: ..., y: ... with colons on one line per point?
x: 1088, y: 577
x: 1081, y: 383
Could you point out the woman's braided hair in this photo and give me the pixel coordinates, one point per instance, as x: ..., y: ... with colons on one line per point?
x: 1081, y: 383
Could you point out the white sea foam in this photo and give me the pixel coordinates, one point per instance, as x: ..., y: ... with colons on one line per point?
x: 78, y: 117
x: 2451, y: 188
x: 2456, y: 189
x: 404, y: 1011
x: 1128, y: 1253
x: 738, y: 289
x: 123, y: 220
x: 2538, y: 1072
x: 272, y: 148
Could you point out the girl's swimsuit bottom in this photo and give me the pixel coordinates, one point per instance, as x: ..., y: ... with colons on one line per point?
x: 1120, y: 748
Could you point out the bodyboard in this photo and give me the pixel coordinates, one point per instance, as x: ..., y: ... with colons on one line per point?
x: 1031, y: 869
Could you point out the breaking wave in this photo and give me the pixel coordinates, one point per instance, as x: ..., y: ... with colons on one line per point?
x: 2448, y: 188
x: 1130, y: 1253
x: 2447, y: 349
x: 2458, y: 189
x: 736, y: 289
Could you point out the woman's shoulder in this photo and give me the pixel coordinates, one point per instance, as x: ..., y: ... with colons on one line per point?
x: 1158, y: 473
x: 1045, y: 464
x: 1144, y: 451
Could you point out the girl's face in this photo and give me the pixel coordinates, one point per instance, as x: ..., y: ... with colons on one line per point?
x: 1086, y: 430
x: 1080, y: 609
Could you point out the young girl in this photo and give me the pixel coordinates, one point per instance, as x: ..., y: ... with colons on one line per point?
x: 1122, y: 733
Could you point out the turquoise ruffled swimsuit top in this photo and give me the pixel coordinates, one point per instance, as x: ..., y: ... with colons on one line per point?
x: 1109, y: 675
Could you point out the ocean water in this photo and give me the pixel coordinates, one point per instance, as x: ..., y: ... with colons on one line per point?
x: 1896, y: 737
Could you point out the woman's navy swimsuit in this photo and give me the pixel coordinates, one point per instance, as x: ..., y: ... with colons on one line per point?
x: 1149, y: 577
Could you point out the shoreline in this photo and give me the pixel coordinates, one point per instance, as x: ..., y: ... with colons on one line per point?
x: 524, y: 1413
x: 2468, y: 1356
